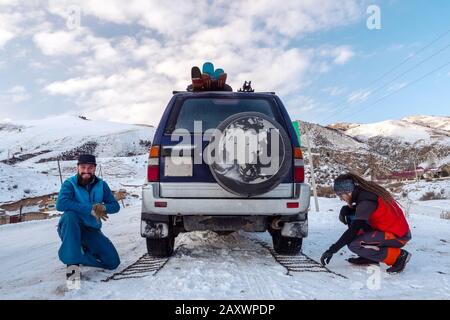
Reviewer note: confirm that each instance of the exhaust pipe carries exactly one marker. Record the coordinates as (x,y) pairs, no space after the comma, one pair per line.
(277,224)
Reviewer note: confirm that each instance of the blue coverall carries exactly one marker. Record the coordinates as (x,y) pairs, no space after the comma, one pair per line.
(82,240)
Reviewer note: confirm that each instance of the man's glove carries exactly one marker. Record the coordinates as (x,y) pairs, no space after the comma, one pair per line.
(345,211)
(326,257)
(99,212)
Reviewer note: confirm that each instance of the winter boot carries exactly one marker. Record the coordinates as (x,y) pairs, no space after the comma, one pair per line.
(207,81)
(197,82)
(208,68)
(222,78)
(400,263)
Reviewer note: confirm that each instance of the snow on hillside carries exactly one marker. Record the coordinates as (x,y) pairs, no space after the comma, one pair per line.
(27,180)
(399,130)
(436,122)
(32,148)
(18,183)
(423,189)
(51,137)
(403,131)
(331,138)
(209,266)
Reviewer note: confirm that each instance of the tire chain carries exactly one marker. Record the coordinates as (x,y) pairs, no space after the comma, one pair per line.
(150,266)
(143,267)
(297,263)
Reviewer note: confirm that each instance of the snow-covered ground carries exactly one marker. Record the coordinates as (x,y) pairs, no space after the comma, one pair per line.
(224,267)
(419,189)
(206,266)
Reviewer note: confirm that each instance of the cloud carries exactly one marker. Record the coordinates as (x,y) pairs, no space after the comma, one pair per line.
(334,91)
(180,18)
(359,96)
(18,19)
(60,43)
(8,2)
(74,86)
(304,108)
(397,86)
(343,54)
(129,76)
(8,27)
(14,95)
(339,55)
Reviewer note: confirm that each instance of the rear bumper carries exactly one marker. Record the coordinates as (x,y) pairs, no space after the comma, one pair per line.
(221,206)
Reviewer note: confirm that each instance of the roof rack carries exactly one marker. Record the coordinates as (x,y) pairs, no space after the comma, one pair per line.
(202,91)
(184,91)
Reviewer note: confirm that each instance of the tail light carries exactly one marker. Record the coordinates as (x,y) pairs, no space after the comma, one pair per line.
(292,205)
(153,164)
(299,166)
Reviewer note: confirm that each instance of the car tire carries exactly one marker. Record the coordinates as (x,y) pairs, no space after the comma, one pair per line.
(161,248)
(249,189)
(286,245)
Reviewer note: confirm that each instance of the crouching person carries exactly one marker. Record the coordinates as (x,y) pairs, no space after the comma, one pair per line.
(86,200)
(377,228)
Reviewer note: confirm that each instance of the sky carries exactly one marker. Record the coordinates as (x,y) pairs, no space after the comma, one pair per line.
(329,61)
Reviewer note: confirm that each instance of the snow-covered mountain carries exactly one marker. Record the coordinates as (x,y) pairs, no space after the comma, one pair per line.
(66,136)
(379,148)
(324,137)
(29,150)
(412,130)
(436,122)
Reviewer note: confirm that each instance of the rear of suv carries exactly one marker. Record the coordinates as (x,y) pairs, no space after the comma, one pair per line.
(225,161)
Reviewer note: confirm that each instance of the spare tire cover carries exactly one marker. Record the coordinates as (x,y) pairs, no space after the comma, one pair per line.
(252,154)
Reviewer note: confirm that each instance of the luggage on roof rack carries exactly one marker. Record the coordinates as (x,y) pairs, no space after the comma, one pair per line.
(191,89)
(209,79)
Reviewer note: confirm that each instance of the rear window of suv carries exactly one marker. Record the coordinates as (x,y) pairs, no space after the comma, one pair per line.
(212,111)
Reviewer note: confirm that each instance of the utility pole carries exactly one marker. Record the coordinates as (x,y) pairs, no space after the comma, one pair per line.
(415,170)
(59,169)
(311,164)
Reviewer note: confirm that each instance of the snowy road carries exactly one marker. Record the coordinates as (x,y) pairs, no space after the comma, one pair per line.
(208,266)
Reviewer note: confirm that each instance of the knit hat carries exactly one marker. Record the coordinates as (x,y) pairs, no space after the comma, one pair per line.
(86,159)
(342,186)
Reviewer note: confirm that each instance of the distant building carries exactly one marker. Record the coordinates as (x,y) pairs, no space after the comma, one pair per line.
(4,218)
(444,170)
(34,216)
(403,175)
(431,173)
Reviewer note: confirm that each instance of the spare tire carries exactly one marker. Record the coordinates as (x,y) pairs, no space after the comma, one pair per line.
(252,154)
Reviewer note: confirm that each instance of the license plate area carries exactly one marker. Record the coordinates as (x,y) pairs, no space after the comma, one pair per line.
(176,166)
